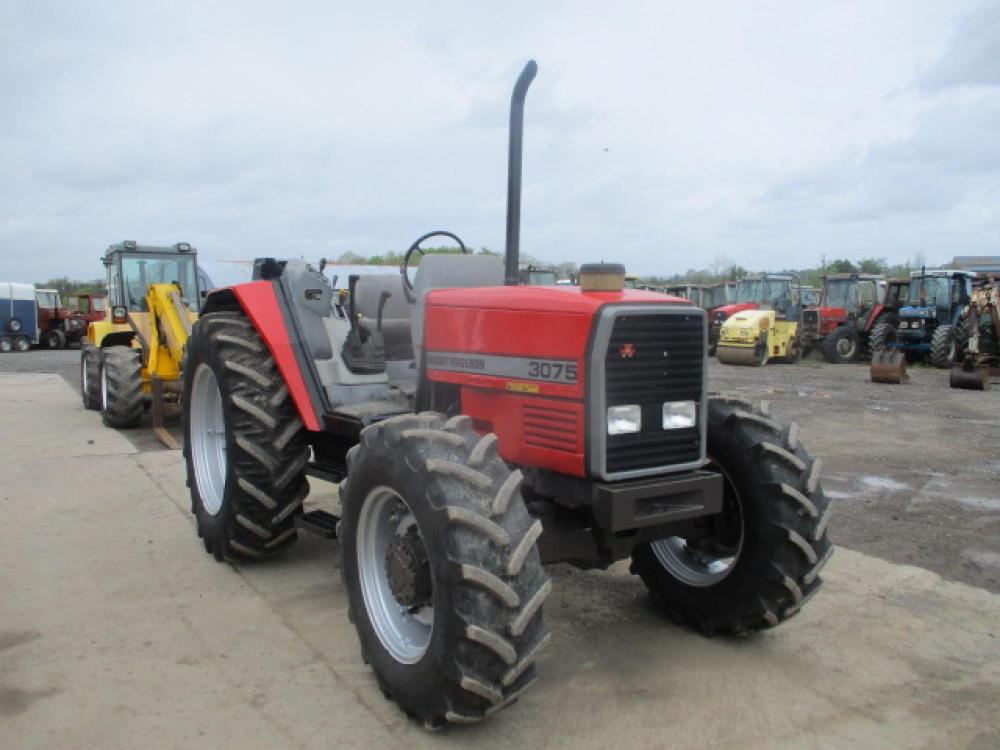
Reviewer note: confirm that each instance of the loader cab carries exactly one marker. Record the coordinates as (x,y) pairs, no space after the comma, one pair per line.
(131,268)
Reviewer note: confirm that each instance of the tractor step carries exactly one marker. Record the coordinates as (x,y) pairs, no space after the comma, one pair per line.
(318,522)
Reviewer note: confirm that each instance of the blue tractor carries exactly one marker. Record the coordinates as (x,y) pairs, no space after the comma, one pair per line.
(929,322)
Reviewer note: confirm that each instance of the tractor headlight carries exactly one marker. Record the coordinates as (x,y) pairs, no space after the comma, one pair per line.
(677,415)
(119,314)
(623,420)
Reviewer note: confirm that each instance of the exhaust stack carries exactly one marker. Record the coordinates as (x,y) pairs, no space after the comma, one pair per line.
(512,253)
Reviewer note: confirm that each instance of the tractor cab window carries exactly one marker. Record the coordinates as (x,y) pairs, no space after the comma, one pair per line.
(48,300)
(867,293)
(778,289)
(714,297)
(139,271)
(960,292)
(750,291)
(841,293)
(931,291)
(96,303)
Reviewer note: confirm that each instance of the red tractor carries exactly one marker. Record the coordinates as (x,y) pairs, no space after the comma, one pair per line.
(480,429)
(850,307)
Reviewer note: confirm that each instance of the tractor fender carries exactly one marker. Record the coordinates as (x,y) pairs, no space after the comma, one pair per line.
(264,305)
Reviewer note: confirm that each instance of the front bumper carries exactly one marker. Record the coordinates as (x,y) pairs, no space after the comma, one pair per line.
(623,506)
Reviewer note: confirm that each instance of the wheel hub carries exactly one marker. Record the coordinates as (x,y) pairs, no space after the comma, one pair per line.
(408,570)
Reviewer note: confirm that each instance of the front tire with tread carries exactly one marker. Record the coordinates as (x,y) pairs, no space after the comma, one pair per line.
(488,582)
(121,370)
(944,346)
(784,533)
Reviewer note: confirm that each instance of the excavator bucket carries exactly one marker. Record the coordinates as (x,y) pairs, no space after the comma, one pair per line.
(733,355)
(970,377)
(889,366)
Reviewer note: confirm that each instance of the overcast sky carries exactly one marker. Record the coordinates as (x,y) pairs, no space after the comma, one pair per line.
(658,134)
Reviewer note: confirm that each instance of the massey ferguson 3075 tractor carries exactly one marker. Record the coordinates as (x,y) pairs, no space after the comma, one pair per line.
(843,321)
(480,429)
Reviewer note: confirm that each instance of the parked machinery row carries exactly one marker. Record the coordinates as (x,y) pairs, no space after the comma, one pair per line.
(30,316)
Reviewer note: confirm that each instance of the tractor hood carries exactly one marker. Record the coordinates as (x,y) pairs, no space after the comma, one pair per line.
(732,308)
(916,311)
(831,313)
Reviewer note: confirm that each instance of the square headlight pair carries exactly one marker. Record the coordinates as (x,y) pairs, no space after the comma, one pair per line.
(676,415)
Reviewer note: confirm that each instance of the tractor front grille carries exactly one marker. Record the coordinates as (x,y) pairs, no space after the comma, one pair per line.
(810,323)
(650,359)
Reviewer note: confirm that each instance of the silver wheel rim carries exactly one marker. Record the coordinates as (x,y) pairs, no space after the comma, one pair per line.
(405,634)
(23,345)
(104,389)
(693,567)
(845,347)
(5,345)
(208,439)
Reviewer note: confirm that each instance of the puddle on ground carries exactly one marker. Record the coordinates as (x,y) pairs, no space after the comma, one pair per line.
(883,483)
(837,495)
(979,503)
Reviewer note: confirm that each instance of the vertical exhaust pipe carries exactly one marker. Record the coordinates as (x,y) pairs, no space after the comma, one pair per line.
(512,253)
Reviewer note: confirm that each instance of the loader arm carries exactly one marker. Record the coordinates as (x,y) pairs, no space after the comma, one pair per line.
(170,327)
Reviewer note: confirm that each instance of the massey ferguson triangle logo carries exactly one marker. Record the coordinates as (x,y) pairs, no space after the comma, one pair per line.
(627,351)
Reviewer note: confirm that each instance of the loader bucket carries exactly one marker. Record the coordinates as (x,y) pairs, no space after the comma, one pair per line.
(889,366)
(970,377)
(733,355)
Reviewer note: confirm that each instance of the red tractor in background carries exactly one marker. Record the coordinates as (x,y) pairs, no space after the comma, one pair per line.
(851,305)
(59,325)
(478,430)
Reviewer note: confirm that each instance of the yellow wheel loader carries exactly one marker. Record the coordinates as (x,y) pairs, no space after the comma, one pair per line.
(132,359)
(754,337)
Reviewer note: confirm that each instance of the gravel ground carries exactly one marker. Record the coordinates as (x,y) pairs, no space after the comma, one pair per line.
(914,470)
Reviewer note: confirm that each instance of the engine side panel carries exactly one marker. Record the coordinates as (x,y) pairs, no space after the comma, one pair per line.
(522,375)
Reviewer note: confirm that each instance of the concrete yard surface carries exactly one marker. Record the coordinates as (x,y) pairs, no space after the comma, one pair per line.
(118,631)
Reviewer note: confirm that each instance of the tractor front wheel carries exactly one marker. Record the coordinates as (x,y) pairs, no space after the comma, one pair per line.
(55,339)
(244,444)
(842,346)
(758,562)
(90,376)
(120,376)
(444,581)
(944,346)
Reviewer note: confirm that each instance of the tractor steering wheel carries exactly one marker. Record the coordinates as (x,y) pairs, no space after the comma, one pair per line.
(415,248)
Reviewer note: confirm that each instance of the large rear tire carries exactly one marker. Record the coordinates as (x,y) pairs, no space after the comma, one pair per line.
(842,346)
(121,398)
(453,634)
(90,376)
(944,346)
(758,562)
(244,443)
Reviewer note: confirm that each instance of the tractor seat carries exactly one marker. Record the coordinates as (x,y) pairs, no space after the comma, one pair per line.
(368,293)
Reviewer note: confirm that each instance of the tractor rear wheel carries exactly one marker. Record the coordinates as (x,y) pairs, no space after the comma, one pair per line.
(758,562)
(244,443)
(841,346)
(90,376)
(444,581)
(944,346)
(120,374)
(883,335)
